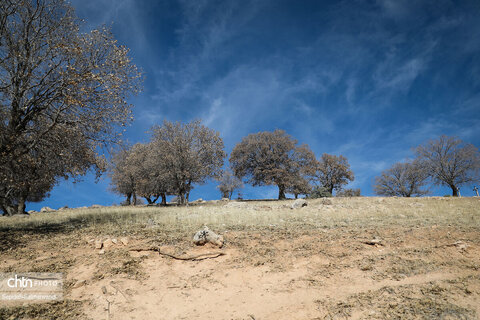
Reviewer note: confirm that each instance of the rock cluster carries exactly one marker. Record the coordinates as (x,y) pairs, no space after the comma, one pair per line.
(108,243)
(205,236)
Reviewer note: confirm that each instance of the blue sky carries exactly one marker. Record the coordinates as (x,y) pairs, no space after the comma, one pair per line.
(365,79)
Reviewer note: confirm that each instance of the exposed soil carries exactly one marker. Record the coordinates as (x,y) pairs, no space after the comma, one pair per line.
(425,272)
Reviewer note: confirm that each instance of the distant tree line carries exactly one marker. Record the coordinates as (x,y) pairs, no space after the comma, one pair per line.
(182,155)
(63,101)
(177,157)
(445,161)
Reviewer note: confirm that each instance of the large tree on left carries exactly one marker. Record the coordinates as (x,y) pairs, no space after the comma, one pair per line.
(62,97)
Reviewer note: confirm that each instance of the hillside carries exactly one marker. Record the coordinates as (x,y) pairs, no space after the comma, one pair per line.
(337,258)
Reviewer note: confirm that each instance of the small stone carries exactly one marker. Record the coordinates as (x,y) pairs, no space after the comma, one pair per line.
(98,244)
(114,240)
(225,199)
(107,243)
(79,283)
(124,240)
(101,251)
(46,209)
(96,206)
(299,203)
(327,202)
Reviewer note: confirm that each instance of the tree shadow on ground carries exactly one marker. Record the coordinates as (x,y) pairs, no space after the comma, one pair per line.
(18,236)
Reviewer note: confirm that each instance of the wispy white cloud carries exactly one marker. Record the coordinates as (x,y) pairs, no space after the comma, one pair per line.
(354,78)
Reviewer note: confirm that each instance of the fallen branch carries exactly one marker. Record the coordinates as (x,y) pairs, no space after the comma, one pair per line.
(195,257)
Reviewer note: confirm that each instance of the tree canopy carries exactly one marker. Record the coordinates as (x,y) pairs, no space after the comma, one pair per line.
(403,179)
(62,96)
(228,183)
(188,154)
(139,171)
(450,161)
(272,158)
(333,172)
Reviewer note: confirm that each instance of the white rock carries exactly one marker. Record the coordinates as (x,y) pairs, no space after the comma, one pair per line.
(124,240)
(299,203)
(207,236)
(98,244)
(107,243)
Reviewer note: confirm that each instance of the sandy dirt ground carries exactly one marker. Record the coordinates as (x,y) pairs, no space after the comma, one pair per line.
(391,270)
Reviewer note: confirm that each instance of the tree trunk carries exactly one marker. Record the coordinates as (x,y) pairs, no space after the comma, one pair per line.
(10,210)
(281,193)
(21,206)
(182,198)
(164,199)
(127,201)
(330,189)
(149,201)
(296,195)
(134,198)
(454,190)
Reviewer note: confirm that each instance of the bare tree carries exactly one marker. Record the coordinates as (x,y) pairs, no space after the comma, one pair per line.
(402,180)
(151,177)
(228,183)
(271,158)
(450,162)
(122,177)
(333,172)
(191,154)
(60,91)
(139,171)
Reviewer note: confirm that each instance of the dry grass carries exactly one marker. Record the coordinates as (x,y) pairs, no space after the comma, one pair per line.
(342,212)
(314,256)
